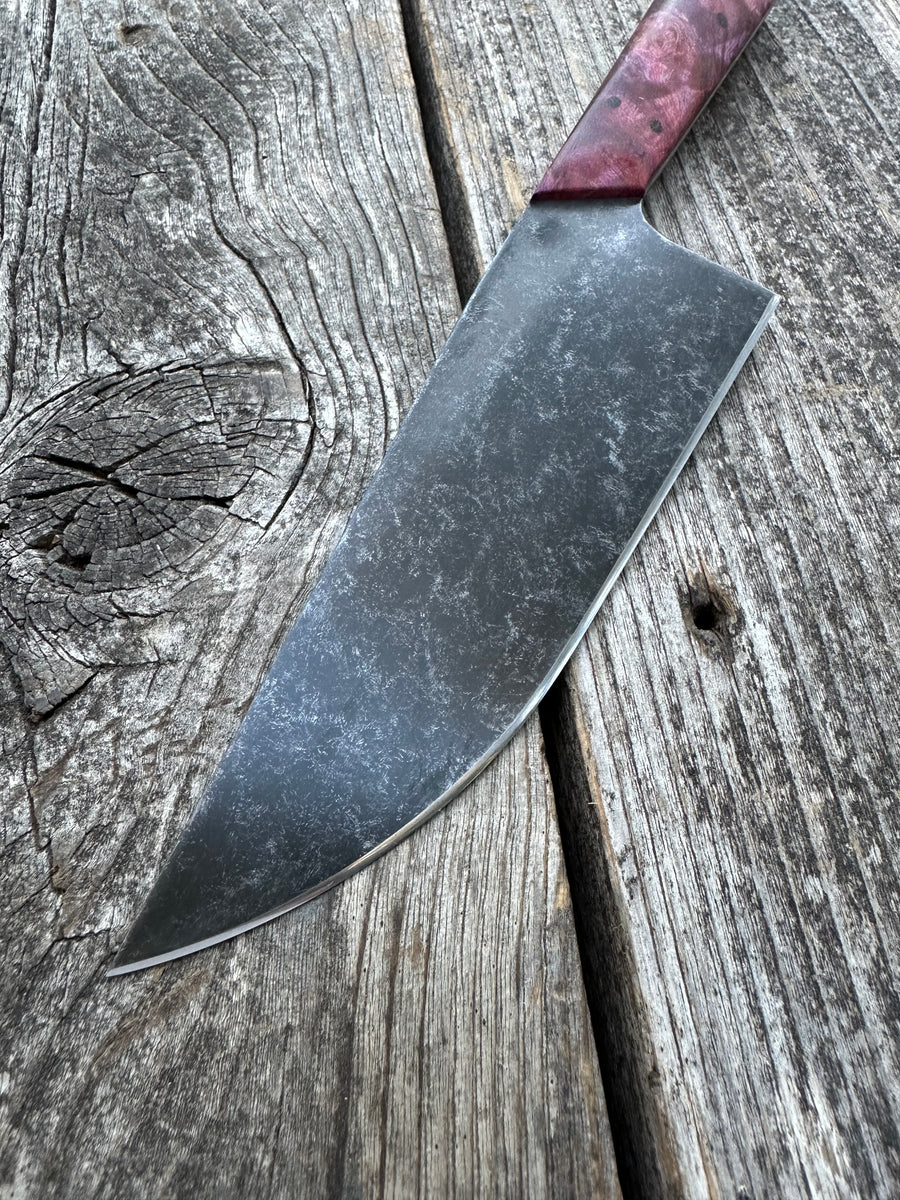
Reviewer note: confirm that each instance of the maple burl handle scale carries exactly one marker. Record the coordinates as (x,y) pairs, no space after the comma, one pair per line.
(677,57)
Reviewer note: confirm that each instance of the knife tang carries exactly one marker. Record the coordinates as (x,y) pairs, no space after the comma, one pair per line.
(677,57)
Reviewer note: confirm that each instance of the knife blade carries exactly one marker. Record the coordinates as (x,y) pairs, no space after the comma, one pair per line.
(570,393)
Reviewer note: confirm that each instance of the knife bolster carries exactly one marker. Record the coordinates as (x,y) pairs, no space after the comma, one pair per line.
(675,60)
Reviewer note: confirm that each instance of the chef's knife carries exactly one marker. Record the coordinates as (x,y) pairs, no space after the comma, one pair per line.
(570,393)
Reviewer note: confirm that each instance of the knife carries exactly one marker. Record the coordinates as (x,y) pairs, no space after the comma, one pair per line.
(570,393)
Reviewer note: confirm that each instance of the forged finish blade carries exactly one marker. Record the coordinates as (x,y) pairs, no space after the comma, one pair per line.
(569,395)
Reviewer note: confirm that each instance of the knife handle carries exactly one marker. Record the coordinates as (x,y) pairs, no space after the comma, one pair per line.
(675,60)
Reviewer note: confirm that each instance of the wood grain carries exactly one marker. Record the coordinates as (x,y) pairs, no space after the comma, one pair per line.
(725,742)
(224,275)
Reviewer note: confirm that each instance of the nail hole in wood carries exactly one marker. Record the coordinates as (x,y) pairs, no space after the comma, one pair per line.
(705,616)
(710,613)
(75,562)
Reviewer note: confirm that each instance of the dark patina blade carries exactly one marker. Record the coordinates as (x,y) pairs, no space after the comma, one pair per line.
(566,400)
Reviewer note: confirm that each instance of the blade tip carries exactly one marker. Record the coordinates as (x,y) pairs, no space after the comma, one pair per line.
(126,968)
(129,966)
(114,972)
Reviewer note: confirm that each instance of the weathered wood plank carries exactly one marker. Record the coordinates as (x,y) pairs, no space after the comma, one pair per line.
(726,739)
(224,275)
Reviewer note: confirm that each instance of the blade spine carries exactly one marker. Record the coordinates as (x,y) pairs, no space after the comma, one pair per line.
(506,736)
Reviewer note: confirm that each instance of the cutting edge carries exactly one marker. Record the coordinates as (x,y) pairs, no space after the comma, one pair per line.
(494,749)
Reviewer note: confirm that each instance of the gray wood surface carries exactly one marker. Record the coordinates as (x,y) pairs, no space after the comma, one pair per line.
(724,745)
(224,274)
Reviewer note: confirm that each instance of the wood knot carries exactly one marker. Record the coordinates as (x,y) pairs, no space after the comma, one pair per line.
(127,489)
(710,613)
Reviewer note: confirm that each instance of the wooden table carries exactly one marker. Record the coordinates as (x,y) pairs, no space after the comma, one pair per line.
(234,237)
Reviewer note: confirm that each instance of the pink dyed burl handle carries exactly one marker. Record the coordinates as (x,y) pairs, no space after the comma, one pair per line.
(677,57)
